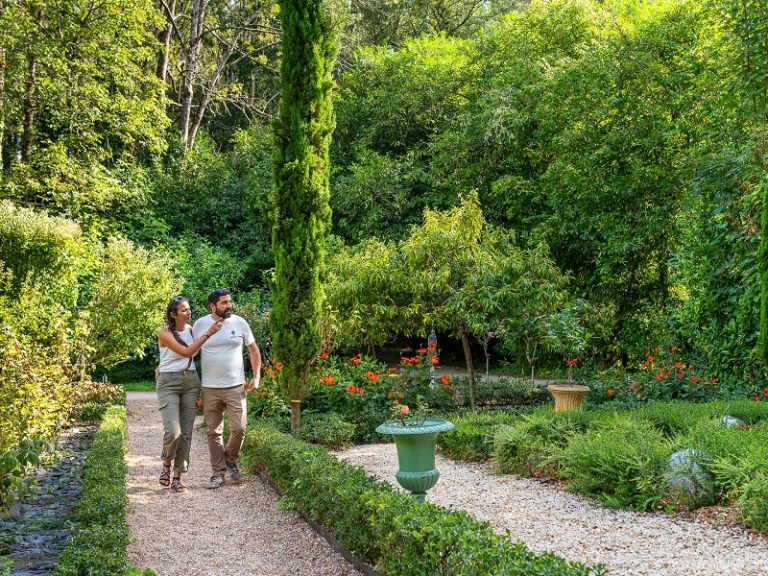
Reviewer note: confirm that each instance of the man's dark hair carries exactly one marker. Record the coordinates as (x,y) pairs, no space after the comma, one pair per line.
(214,296)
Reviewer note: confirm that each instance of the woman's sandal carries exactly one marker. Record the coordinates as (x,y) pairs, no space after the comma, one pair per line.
(165,475)
(177,486)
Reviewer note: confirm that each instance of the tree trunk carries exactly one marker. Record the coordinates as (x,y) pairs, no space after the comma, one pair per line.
(29,110)
(470,370)
(295,416)
(193,59)
(165,42)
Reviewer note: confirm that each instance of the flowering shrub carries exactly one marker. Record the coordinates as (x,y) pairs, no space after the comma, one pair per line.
(664,375)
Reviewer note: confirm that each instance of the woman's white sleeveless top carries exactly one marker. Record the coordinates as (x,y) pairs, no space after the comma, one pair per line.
(172,362)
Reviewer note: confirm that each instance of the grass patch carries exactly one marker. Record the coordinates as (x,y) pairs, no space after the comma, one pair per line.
(140,386)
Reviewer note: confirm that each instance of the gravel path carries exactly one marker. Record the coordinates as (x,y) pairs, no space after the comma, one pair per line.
(546,518)
(232,531)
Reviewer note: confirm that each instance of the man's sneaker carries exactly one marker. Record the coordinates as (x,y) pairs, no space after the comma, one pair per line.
(216,481)
(234,473)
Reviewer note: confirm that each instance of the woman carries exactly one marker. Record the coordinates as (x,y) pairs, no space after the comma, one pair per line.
(178,387)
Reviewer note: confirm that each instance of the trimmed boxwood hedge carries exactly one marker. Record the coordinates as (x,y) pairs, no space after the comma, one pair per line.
(389,530)
(98,547)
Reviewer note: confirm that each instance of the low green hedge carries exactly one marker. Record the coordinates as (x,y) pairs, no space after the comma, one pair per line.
(98,547)
(389,530)
(472,439)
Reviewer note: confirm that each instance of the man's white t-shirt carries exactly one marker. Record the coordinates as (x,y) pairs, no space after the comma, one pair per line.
(221,357)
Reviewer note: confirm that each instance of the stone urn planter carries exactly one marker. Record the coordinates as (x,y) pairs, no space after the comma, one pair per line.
(567,396)
(416,445)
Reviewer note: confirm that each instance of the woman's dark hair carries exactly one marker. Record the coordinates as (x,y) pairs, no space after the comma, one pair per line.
(170,321)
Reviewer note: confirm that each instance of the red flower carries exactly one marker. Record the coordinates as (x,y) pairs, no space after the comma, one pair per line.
(372,377)
(444,380)
(351,388)
(680,376)
(679,365)
(573,362)
(404,410)
(435,360)
(757,397)
(356,360)
(415,360)
(421,351)
(765,391)
(400,395)
(609,392)
(659,376)
(675,348)
(328,380)
(324,355)
(668,374)
(658,349)
(359,390)
(714,380)
(634,386)
(695,379)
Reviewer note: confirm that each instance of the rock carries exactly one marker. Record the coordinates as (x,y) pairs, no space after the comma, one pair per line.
(684,476)
(732,422)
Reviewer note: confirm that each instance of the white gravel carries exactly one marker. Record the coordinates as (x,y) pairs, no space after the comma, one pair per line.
(547,518)
(232,531)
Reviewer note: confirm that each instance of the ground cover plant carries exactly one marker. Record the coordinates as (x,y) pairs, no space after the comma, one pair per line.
(626,455)
(390,531)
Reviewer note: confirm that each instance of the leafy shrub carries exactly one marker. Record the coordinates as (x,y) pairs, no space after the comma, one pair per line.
(98,547)
(390,531)
(330,430)
(472,438)
(502,392)
(621,462)
(14,466)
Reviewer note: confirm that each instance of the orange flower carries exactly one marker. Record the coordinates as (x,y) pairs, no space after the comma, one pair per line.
(329,380)
(573,362)
(392,370)
(659,376)
(421,351)
(695,379)
(356,360)
(444,379)
(359,390)
(610,392)
(757,397)
(351,388)
(400,395)
(435,360)
(404,410)
(450,388)
(324,355)
(279,365)
(678,365)
(372,377)
(675,348)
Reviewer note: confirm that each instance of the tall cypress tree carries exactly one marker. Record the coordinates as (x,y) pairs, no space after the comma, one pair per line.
(301,212)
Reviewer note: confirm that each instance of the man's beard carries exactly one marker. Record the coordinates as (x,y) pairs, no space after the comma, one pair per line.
(224,314)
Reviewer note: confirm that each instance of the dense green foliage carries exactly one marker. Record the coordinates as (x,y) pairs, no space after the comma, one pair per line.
(98,546)
(391,532)
(301,215)
(76,303)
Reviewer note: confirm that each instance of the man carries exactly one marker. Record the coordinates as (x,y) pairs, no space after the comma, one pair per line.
(224,385)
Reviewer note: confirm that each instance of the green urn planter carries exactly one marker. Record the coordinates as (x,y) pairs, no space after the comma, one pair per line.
(416,453)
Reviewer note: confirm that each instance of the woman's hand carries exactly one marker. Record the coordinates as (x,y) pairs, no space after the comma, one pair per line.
(215,327)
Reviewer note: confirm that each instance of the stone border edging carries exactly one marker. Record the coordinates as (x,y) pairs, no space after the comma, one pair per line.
(324,532)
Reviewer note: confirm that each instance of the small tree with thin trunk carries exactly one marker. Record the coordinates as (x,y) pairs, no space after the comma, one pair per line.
(301,213)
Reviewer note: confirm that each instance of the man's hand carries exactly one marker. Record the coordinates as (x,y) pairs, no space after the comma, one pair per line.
(252,385)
